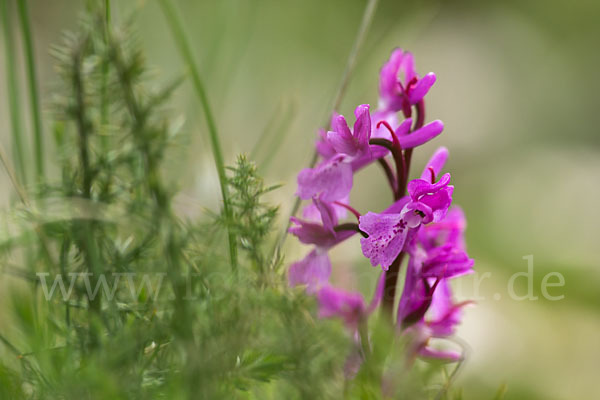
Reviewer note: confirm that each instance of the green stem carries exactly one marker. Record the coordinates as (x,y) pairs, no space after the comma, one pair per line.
(104,87)
(34,98)
(177,30)
(12,175)
(172,247)
(365,24)
(20,357)
(13,92)
(107,12)
(64,252)
(9,345)
(88,244)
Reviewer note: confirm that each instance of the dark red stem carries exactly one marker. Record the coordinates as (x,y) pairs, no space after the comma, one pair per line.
(432,173)
(389,174)
(349,226)
(389,289)
(420,120)
(349,208)
(399,159)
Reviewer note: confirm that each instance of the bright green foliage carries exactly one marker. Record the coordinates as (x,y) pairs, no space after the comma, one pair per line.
(251,220)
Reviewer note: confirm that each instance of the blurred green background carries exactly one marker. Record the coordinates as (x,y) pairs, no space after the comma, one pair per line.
(517,86)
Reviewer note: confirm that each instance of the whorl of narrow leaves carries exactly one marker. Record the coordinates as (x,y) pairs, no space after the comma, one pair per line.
(252,219)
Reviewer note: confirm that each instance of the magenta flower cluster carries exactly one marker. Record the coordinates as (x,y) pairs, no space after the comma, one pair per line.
(420,226)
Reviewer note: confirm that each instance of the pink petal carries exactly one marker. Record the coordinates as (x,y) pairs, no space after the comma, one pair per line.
(341,126)
(332,180)
(388,76)
(342,143)
(403,129)
(312,233)
(415,213)
(437,162)
(335,302)
(313,271)
(317,234)
(328,213)
(324,148)
(311,213)
(414,293)
(382,132)
(408,66)
(387,235)
(420,187)
(421,88)
(442,355)
(447,262)
(421,136)
(362,126)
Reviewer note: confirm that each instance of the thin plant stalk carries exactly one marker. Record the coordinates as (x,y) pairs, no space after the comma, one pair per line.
(13,92)
(184,48)
(12,175)
(365,25)
(22,194)
(34,98)
(104,87)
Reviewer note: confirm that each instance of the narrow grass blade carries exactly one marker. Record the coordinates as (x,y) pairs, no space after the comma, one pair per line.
(104,87)
(184,48)
(13,92)
(34,97)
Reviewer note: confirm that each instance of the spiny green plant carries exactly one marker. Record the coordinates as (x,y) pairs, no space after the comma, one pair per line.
(251,220)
